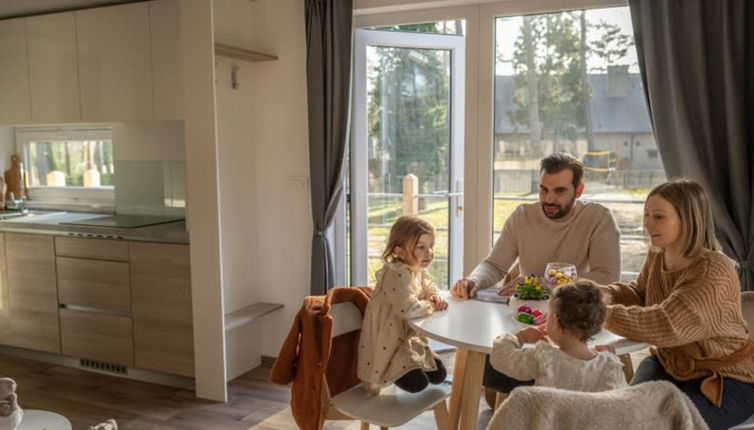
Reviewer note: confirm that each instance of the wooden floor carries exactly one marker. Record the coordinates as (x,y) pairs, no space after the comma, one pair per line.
(87,398)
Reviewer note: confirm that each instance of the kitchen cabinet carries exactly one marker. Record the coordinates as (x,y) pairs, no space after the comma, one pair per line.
(14,72)
(100,285)
(161,307)
(53,68)
(32,296)
(97,336)
(167,64)
(115,70)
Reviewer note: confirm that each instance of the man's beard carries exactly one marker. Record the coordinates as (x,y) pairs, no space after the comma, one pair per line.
(562,211)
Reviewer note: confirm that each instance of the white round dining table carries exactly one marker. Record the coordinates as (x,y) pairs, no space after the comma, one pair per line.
(43,420)
(472,326)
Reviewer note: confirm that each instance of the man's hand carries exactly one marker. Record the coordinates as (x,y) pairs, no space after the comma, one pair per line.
(530,335)
(510,287)
(438,302)
(608,348)
(464,289)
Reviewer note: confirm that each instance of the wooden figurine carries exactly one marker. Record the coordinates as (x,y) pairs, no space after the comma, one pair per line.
(14,179)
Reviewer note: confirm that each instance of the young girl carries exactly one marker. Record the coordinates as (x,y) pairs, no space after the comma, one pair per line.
(389,350)
(576,314)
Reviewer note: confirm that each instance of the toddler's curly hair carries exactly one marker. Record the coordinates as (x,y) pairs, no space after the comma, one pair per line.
(579,308)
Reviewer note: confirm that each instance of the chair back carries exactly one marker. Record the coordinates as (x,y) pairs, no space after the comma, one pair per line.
(747,308)
(346,318)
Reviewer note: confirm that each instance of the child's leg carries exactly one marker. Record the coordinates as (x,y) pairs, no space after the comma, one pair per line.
(437,376)
(413,381)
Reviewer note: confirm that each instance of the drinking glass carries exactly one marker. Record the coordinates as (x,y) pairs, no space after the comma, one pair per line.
(558,274)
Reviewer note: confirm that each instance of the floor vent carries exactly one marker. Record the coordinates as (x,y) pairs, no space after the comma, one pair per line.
(104,367)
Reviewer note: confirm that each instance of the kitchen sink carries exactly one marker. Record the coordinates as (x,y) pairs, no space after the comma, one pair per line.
(26,213)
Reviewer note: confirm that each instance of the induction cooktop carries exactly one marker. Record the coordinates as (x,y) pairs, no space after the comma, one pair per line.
(125,221)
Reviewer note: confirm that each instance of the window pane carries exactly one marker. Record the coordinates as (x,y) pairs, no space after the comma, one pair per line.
(82,163)
(569,81)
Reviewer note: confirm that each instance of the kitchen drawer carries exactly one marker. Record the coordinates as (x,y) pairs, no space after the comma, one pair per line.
(96,336)
(97,284)
(98,249)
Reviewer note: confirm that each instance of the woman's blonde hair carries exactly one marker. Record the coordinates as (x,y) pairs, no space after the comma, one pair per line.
(691,203)
(405,232)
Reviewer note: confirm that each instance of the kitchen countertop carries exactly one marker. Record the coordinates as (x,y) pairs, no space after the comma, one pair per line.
(50,223)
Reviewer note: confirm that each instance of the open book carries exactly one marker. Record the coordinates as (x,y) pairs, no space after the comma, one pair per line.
(490,295)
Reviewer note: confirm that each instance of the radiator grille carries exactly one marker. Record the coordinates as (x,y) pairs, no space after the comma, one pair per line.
(103,366)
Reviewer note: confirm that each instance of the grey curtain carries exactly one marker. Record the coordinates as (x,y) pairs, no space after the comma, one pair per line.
(328,74)
(697,65)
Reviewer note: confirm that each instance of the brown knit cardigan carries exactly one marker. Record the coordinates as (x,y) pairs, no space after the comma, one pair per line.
(692,317)
(309,352)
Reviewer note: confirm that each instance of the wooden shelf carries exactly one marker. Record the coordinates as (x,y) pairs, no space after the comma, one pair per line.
(242,54)
(249,313)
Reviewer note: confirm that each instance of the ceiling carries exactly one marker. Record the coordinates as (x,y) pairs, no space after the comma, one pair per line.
(15,8)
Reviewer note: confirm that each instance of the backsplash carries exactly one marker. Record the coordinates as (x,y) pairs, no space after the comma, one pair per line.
(150,187)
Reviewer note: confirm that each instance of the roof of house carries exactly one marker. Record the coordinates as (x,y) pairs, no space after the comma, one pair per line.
(612,114)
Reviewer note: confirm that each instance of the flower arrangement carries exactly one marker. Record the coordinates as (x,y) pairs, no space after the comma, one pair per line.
(532,289)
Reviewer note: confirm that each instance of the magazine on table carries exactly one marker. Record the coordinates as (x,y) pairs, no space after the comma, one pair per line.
(489,294)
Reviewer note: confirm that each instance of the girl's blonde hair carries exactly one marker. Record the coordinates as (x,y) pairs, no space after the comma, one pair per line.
(405,232)
(691,203)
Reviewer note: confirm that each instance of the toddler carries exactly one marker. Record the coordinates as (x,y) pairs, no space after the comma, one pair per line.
(566,361)
(389,350)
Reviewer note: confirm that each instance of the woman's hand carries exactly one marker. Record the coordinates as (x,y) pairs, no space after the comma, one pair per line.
(438,302)
(464,289)
(531,335)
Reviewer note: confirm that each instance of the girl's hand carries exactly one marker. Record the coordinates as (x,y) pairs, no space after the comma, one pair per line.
(438,302)
(608,348)
(530,335)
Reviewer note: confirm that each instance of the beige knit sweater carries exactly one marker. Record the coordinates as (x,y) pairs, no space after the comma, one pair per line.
(587,238)
(691,314)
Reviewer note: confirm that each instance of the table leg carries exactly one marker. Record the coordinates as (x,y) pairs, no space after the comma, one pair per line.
(456,393)
(472,390)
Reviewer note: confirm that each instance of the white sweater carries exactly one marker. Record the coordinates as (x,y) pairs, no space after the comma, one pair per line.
(551,367)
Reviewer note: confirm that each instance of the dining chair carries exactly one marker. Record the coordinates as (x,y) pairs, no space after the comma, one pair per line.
(747,308)
(392,407)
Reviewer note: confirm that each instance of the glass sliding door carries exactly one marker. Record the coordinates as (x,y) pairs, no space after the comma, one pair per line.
(406,152)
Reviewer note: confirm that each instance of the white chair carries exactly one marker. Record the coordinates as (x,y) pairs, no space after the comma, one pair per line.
(392,407)
(747,307)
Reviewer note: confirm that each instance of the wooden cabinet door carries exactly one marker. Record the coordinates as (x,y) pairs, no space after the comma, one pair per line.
(101,285)
(32,293)
(115,70)
(97,336)
(161,307)
(53,68)
(15,107)
(166,59)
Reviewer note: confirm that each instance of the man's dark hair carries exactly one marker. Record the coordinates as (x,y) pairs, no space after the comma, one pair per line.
(559,161)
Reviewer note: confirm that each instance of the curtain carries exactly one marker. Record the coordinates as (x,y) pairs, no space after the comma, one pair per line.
(697,64)
(328,74)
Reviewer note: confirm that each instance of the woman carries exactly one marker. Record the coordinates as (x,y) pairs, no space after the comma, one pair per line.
(687,304)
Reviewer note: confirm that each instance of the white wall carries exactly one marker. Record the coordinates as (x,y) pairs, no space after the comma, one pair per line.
(149,140)
(203,202)
(280,136)
(7,147)
(238,182)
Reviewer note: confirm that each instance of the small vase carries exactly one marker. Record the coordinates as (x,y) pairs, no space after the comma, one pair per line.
(542,305)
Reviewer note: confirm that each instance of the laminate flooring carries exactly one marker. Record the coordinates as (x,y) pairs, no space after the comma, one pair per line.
(87,398)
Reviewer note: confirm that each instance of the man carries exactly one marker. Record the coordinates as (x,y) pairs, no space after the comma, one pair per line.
(557,228)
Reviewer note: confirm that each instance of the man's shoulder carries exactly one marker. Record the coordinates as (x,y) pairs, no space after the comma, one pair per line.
(594,210)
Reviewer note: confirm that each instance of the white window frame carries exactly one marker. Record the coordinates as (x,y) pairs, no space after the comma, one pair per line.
(479,110)
(73,197)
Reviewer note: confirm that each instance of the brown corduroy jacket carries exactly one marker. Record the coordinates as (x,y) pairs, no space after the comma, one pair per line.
(309,352)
